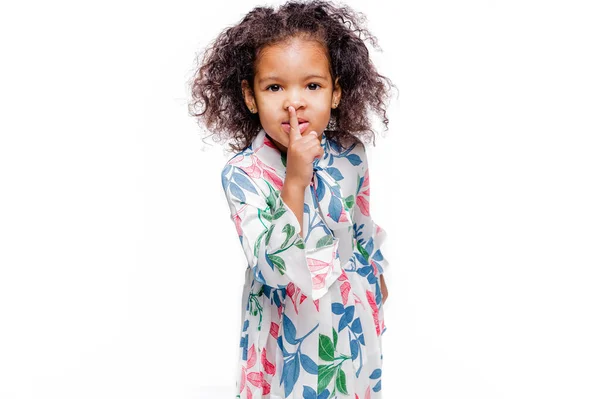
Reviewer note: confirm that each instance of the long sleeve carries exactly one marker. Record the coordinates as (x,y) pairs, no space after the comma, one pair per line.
(269,233)
(369,235)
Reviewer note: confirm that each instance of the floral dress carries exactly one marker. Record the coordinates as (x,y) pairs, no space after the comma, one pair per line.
(312,312)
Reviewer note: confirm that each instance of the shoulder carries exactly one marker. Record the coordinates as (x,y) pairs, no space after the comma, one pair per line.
(356,154)
(232,166)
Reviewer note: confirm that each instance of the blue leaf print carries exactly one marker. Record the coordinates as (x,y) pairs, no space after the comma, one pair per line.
(369,246)
(377,255)
(320,188)
(354,159)
(306,209)
(335,208)
(289,330)
(371,278)
(364,271)
(361,338)
(356,326)
(290,374)
(324,394)
(244,346)
(244,182)
(237,192)
(346,318)
(337,308)
(377,387)
(281,346)
(335,173)
(375,374)
(309,393)
(336,191)
(246,324)
(334,145)
(224,179)
(309,365)
(354,348)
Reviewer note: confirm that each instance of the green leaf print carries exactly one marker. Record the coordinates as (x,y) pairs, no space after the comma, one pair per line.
(349,201)
(362,251)
(326,373)
(271,198)
(289,230)
(269,234)
(325,348)
(278,262)
(335,338)
(266,215)
(258,240)
(340,381)
(325,241)
(279,213)
(299,243)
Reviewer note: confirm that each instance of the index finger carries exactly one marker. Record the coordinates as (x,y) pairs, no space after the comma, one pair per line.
(294,130)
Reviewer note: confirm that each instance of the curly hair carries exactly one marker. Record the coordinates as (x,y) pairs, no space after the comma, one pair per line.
(232,57)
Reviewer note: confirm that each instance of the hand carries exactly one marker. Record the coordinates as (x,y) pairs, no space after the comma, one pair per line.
(384,291)
(301,153)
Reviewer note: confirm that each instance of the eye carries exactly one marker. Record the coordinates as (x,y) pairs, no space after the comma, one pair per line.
(314,84)
(269,88)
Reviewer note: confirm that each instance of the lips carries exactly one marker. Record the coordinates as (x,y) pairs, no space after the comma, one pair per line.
(302,125)
(300,120)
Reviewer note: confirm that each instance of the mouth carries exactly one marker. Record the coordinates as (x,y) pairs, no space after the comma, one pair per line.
(300,120)
(302,125)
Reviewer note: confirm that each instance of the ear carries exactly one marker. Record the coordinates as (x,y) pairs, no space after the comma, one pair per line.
(337,94)
(248,94)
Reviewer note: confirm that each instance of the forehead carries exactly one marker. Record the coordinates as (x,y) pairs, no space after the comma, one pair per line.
(292,58)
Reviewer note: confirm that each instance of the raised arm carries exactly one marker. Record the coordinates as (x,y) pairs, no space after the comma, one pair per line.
(269,233)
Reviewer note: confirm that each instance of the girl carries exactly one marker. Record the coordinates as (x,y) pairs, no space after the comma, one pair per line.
(291,88)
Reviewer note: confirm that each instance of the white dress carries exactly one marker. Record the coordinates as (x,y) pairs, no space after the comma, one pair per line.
(312,314)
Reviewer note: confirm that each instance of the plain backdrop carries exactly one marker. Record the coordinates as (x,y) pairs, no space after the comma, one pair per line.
(121,271)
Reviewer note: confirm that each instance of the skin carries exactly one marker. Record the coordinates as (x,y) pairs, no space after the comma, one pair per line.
(284,91)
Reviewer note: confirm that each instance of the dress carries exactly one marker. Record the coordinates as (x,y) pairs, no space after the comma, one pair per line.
(312,311)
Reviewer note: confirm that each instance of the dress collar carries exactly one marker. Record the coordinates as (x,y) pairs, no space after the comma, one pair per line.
(264,148)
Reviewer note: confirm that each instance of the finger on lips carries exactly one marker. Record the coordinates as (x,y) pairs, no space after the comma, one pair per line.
(294,131)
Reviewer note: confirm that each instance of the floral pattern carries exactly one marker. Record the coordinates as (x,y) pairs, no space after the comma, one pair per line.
(312,312)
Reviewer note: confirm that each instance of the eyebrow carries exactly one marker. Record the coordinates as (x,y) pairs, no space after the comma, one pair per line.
(274,77)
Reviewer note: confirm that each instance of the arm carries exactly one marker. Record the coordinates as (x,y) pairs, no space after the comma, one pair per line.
(370,236)
(269,232)
(294,196)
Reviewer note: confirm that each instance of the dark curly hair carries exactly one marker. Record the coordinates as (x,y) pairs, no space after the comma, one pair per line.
(231,58)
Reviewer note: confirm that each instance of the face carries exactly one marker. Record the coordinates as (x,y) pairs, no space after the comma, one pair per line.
(294,73)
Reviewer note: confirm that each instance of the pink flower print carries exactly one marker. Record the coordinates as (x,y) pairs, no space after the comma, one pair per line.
(251,357)
(293,293)
(236,159)
(362,198)
(319,269)
(267,365)
(253,170)
(274,330)
(375,310)
(268,173)
(345,290)
(238,223)
(345,287)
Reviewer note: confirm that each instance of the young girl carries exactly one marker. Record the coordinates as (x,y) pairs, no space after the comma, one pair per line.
(291,87)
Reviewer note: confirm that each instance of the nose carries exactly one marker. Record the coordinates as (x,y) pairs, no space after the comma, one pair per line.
(295,99)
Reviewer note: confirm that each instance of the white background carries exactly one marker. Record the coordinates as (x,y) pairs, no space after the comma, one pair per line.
(121,272)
